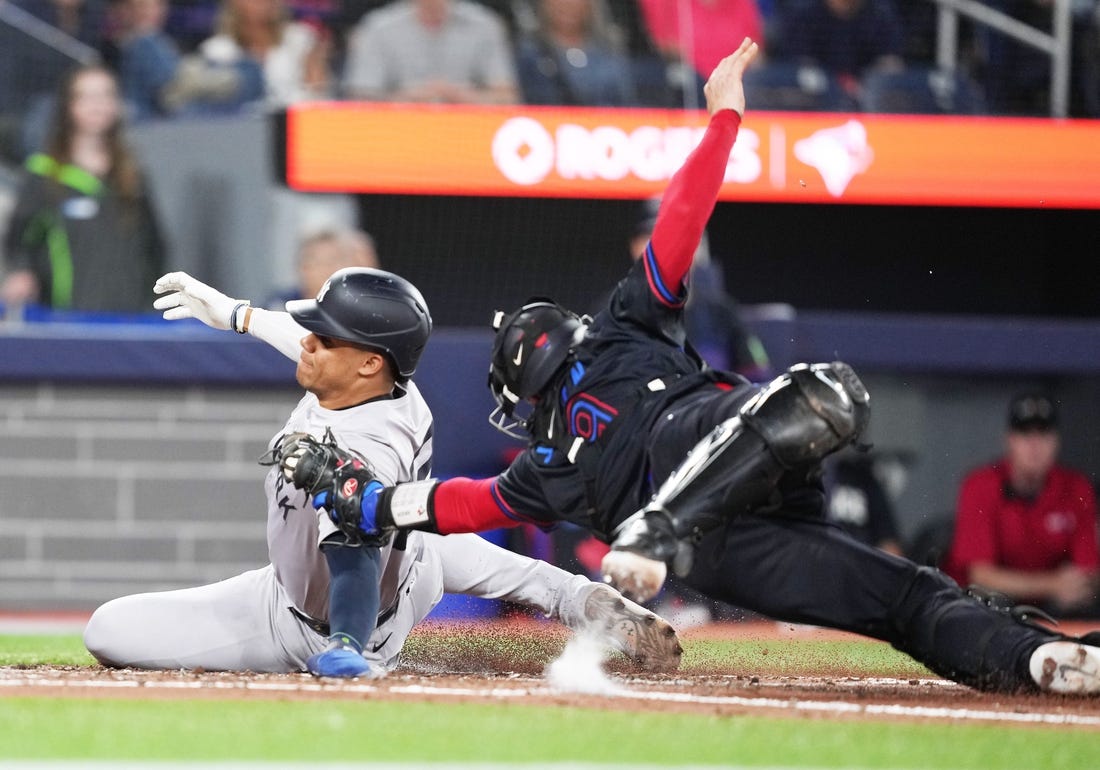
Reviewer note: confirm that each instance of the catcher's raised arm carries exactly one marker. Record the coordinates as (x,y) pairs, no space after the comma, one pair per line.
(187,297)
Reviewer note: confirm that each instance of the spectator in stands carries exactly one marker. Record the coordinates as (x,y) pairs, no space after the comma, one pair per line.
(699,32)
(321,254)
(1025,525)
(294,57)
(846,38)
(157,82)
(84,234)
(148,58)
(452,51)
(857,501)
(574,56)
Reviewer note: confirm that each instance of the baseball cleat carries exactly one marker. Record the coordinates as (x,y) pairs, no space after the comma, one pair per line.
(341,659)
(1066,668)
(649,641)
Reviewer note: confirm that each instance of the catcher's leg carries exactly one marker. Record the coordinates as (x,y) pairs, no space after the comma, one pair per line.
(792,423)
(985,641)
(808,571)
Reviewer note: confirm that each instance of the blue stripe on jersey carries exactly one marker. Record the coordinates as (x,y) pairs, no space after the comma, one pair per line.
(576,372)
(509,512)
(655,283)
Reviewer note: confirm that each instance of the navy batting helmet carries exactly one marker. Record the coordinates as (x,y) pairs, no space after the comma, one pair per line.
(373,308)
(530,346)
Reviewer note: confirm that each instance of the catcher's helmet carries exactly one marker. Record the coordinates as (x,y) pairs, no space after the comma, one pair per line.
(530,346)
(372,308)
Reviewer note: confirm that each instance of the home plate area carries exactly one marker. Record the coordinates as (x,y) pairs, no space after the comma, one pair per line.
(529,663)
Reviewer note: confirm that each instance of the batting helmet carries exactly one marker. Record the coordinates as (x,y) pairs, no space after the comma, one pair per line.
(372,308)
(530,346)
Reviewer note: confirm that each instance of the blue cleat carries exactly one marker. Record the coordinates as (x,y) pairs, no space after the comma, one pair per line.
(342,659)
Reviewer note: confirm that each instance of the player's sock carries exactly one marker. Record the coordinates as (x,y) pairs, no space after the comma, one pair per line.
(353,591)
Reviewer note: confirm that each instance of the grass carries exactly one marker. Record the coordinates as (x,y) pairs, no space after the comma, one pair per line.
(793,657)
(64,728)
(418,732)
(43,650)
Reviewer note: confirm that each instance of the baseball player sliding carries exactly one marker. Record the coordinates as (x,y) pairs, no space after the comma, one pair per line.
(357,345)
(673,463)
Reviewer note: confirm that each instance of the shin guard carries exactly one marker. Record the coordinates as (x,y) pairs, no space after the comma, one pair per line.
(796,420)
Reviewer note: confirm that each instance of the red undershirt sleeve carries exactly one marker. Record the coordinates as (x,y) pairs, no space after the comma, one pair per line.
(470,505)
(688,203)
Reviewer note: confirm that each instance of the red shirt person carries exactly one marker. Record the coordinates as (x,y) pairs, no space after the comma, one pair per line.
(702,37)
(1025,524)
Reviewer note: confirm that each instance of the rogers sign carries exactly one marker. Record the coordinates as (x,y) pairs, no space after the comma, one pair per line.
(526,152)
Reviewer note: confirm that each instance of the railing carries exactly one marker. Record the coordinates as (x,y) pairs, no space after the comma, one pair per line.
(1057,44)
(34,55)
(47,34)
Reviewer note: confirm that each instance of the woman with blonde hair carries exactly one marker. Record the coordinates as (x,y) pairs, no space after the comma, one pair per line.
(294,57)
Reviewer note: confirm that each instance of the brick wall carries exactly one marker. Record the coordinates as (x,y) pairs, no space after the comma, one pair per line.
(106,491)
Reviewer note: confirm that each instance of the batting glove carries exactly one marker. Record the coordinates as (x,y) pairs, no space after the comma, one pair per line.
(342,659)
(187,297)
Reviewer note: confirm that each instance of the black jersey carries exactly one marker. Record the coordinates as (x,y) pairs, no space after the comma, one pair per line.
(588,461)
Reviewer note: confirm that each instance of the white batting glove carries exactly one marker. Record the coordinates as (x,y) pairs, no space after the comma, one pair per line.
(191,298)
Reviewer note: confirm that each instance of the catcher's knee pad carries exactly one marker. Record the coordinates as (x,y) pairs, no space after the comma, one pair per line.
(808,412)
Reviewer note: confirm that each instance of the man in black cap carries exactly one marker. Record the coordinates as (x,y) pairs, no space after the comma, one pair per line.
(1025,524)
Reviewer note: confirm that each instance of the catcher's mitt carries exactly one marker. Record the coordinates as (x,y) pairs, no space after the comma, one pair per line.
(335,478)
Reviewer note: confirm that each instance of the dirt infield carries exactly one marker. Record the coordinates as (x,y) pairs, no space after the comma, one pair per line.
(507,662)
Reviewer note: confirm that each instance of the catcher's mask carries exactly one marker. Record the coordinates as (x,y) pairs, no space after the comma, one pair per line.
(531,345)
(373,308)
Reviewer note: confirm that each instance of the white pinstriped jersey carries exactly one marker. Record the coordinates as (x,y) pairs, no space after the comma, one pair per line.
(395,437)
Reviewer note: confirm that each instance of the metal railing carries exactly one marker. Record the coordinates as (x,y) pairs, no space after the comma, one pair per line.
(1056,44)
(46,34)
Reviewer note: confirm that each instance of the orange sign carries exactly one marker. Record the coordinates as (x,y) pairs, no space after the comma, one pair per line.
(621,153)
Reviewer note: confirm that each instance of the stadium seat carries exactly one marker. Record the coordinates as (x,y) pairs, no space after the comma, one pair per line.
(784,85)
(922,91)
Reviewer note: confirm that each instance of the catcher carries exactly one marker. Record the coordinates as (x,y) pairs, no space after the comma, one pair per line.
(357,346)
(632,437)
